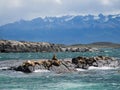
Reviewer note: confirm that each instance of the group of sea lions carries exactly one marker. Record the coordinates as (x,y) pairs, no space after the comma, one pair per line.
(66,66)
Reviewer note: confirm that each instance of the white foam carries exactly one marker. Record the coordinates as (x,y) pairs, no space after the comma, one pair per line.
(79,69)
(16,89)
(106,51)
(96,68)
(3,68)
(101,68)
(70,85)
(41,71)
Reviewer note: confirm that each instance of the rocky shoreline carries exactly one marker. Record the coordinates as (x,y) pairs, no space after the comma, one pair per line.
(7,46)
(23,46)
(59,66)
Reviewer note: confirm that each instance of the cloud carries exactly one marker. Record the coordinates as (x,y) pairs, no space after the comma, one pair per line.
(14,10)
(59,1)
(14,3)
(106,2)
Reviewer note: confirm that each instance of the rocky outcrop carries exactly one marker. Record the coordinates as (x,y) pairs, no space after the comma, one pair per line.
(54,65)
(77,49)
(60,66)
(98,61)
(7,46)
(51,65)
(65,66)
(22,46)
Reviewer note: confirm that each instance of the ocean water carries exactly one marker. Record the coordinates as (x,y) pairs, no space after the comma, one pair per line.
(104,78)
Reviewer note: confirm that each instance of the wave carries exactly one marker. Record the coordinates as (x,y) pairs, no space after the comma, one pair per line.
(79,69)
(71,85)
(101,68)
(41,71)
(96,68)
(1,68)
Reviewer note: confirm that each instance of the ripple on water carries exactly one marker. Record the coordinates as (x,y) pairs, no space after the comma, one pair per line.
(104,78)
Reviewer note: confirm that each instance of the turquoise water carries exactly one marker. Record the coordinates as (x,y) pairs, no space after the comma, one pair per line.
(60,55)
(93,79)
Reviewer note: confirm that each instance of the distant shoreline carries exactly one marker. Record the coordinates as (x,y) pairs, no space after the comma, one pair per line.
(7,46)
(98,45)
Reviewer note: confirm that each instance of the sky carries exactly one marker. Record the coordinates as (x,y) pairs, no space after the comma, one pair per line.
(15,10)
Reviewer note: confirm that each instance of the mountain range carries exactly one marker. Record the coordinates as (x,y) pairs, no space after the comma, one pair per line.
(67,29)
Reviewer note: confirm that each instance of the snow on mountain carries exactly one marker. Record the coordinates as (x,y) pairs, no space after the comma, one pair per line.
(65,29)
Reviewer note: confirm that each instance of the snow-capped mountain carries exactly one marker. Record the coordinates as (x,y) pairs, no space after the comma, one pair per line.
(65,29)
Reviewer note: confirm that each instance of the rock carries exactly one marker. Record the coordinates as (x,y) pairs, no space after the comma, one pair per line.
(62,66)
(77,60)
(98,61)
(29,69)
(22,46)
(80,62)
(60,69)
(25,69)
(52,65)
(85,49)
(95,64)
(39,67)
(68,65)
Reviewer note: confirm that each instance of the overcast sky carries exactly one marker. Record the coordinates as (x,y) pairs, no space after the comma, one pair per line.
(14,10)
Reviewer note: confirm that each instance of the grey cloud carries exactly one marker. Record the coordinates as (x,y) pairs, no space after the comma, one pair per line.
(13,10)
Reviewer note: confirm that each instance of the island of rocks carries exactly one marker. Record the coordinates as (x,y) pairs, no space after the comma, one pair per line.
(7,46)
(61,66)
(23,46)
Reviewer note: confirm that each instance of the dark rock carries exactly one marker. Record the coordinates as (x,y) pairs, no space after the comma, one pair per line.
(29,69)
(85,49)
(75,60)
(25,69)
(95,64)
(98,61)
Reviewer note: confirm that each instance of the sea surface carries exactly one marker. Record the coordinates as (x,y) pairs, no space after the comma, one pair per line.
(104,78)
